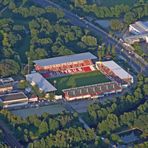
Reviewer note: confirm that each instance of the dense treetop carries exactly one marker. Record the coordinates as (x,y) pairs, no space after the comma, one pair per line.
(29,31)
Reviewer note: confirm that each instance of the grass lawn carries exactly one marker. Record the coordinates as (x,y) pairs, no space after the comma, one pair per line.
(78,80)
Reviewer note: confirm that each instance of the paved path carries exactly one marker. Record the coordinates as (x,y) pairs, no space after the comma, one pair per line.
(3,10)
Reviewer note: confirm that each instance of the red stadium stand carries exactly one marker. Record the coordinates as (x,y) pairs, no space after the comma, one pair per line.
(65,69)
(86,69)
(92,91)
(109,73)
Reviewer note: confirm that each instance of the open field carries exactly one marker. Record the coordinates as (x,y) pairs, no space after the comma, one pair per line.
(51,109)
(78,80)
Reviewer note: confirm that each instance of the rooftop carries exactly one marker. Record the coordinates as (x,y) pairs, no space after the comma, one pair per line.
(96,89)
(65,59)
(41,82)
(140,26)
(7,80)
(13,96)
(118,71)
(5,85)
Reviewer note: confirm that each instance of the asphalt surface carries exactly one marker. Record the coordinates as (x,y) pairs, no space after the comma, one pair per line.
(133,60)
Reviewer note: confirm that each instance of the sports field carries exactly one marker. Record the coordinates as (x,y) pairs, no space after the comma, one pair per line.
(78,80)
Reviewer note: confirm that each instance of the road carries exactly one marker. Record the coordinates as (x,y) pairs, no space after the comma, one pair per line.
(9,139)
(3,10)
(133,60)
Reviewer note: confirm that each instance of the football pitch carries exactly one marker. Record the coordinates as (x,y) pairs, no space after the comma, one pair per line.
(77,80)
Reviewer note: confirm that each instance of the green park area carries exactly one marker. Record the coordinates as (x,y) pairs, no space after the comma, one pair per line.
(78,80)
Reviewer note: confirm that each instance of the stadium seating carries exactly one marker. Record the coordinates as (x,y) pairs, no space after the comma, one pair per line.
(92,91)
(86,69)
(65,69)
(109,73)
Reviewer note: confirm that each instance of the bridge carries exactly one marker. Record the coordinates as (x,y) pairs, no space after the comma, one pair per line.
(136,38)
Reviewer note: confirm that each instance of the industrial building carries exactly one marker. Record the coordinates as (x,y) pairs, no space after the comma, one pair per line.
(14,100)
(139,32)
(7,80)
(5,87)
(138,27)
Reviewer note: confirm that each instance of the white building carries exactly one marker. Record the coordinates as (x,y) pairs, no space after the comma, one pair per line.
(140,29)
(14,99)
(41,82)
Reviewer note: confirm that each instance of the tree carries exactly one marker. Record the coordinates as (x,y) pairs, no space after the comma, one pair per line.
(129,17)
(116,25)
(145,89)
(43,128)
(79,3)
(53,125)
(1,105)
(89,40)
(113,51)
(9,67)
(101,51)
(115,138)
(22,84)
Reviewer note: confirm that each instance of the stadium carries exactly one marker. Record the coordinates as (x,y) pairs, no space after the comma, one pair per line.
(79,76)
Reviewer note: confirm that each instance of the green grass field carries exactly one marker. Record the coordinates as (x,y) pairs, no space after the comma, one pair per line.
(78,80)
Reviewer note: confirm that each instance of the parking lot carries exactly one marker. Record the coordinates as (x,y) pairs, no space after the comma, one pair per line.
(51,109)
(81,105)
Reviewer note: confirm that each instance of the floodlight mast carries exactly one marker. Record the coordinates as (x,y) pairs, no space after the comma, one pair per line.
(28,65)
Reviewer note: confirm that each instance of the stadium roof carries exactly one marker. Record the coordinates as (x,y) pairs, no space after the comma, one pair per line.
(13,96)
(65,59)
(96,89)
(120,72)
(41,82)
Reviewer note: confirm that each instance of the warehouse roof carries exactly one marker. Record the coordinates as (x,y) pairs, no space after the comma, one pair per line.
(65,59)
(7,80)
(120,72)
(5,85)
(13,96)
(140,26)
(41,82)
(143,25)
